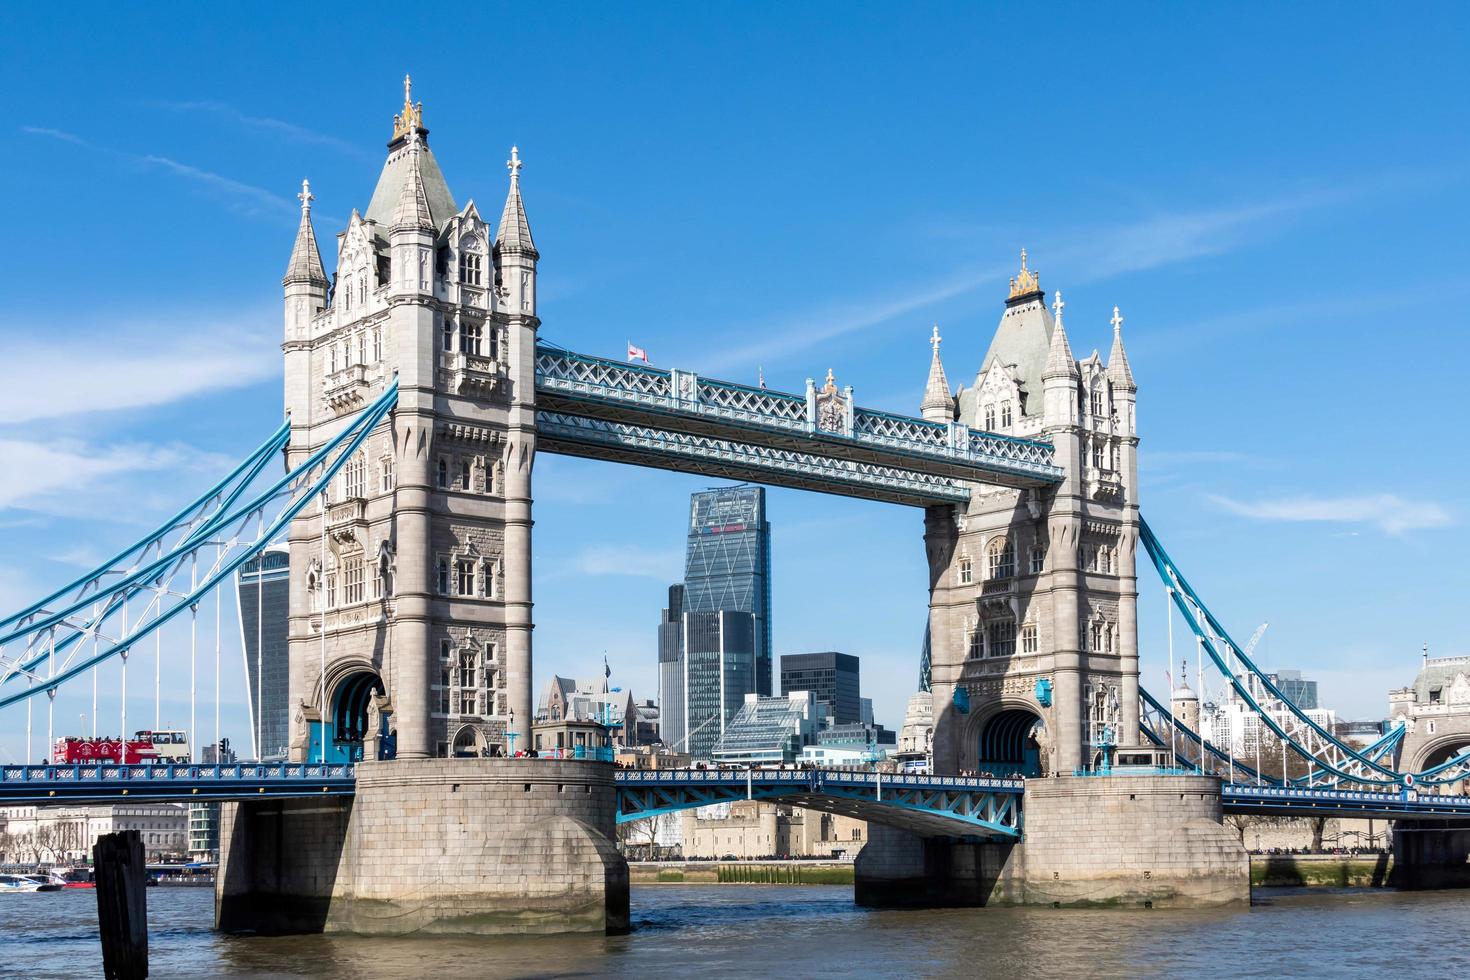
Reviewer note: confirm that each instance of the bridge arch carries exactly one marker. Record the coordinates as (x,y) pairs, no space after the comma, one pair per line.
(1438,748)
(1007,738)
(351,692)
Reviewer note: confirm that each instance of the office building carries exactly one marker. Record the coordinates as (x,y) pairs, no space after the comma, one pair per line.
(671,672)
(263,585)
(769,731)
(831,677)
(1296,689)
(728,563)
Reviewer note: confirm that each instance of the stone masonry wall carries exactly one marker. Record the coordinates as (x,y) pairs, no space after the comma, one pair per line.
(484,846)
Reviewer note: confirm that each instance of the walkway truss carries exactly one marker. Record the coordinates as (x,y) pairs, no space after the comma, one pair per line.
(943,806)
(607,409)
(1330,760)
(109,613)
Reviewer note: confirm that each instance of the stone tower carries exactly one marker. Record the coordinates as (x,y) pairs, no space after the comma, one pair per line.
(413,581)
(1033,594)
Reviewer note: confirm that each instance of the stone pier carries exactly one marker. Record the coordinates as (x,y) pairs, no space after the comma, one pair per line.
(479,846)
(1431,854)
(1123,841)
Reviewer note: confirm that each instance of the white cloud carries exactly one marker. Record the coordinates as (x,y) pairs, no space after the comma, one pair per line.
(1091,254)
(279,127)
(1389,512)
(631,560)
(241,197)
(72,478)
(120,367)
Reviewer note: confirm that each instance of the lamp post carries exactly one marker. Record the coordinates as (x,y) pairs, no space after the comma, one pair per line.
(511,734)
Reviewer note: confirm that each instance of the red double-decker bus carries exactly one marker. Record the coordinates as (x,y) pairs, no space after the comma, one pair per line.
(146,746)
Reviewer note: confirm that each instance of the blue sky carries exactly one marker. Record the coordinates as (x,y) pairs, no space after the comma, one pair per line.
(1275,196)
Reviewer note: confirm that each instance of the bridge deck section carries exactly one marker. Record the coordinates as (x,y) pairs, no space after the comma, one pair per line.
(1294,802)
(53,784)
(608,409)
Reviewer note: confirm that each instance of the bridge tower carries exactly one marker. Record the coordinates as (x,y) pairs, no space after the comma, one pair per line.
(410,596)
(414,599)
(1033,597)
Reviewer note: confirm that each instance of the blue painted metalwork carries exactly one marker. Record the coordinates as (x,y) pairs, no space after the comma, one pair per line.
(952,805)
(1298,801)
(178,783)
(961,699)
(1043,691)
(672,410)
(299,488)
(1326,751)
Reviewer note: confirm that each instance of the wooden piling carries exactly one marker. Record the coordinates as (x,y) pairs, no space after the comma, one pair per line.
(122,905)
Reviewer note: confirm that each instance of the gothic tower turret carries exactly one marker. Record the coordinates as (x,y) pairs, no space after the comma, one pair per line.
(305,285)
(938,403)
(515,269)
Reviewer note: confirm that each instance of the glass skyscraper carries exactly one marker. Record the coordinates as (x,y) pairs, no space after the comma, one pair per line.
(728,564)
(264,588)
(831,677)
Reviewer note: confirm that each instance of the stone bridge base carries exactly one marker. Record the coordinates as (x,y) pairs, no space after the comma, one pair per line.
(1431,854)
(1120,841)
(481,846)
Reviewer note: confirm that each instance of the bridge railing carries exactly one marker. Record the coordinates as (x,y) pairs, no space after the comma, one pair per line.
(159,772)
(676,392)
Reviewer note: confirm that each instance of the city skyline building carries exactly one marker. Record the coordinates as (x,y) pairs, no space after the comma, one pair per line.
(672,729)
(727,563)
(719,666)
(834,680)
(263,586)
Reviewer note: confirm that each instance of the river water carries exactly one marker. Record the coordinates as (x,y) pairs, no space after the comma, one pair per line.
(690,931)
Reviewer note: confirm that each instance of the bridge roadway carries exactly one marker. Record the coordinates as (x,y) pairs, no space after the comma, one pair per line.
(608,409)
(946,806)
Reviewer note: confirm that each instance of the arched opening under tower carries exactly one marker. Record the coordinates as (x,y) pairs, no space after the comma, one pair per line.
(1010,744)
(351,704)
(1442,753)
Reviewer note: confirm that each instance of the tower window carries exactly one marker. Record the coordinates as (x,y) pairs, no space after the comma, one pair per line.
(443,696)
(469,267)
(966,570)
(443,473)
(1028,638)
(1002,638)
(386,477)
(362,348)
(1038,559)
(469,338)
(448,335)
(443,577)
(1097,455)
(1097,403)
(1002,558)
(464,474)
(1005,414)
(989,416)
(354,476)
(352,580)
(377,344)
(464,577)
(975,642)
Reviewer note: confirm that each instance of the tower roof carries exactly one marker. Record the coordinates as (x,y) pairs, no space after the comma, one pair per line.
(514,234)
(937,397)
(1025,283)
(1119,372)
(412,210)
(1059,360)
(386,195)
(1021,341)
(306,258)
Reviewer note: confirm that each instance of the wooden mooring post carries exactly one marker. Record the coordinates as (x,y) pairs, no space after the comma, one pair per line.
(122,904)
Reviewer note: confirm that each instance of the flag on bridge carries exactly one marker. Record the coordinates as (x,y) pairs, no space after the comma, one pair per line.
(637,353)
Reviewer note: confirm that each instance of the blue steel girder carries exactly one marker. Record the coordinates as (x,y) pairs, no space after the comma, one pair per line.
(576,435)
(94,783)
(1296,801)
(934,806)
(680,401)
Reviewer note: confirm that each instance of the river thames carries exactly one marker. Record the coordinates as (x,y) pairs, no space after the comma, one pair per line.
(798,931)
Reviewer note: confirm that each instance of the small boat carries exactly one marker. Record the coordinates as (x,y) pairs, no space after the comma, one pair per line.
(18,883)
(46,882)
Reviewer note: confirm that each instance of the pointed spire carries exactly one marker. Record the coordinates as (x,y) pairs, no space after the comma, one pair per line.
(411,119)
(1059,360)
(514,234)
(306,258)
(1119,372)
(1026,283)
(938,403)
(412,211)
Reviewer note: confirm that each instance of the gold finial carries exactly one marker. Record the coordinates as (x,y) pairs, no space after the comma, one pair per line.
(1026,282)
(831,382)
(412,117)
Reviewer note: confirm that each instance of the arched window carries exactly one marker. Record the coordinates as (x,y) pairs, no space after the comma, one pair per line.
(989,416)
(362,289)
(1038,559)
(1002,558)
(464,474)
(448,334)
(354,476)
(311,587)
(443,473)
(443,576)
(1029,643)
(362,348)
(332,359)
(1001,638)
(469,261)
(1005,415)
(966,570)
(377,344)
(974,641)
(1097,403)
(386,475)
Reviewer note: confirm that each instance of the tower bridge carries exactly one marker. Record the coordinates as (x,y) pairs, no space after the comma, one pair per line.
(419,390)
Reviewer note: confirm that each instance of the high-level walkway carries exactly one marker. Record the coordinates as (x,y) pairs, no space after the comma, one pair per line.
(613,410)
